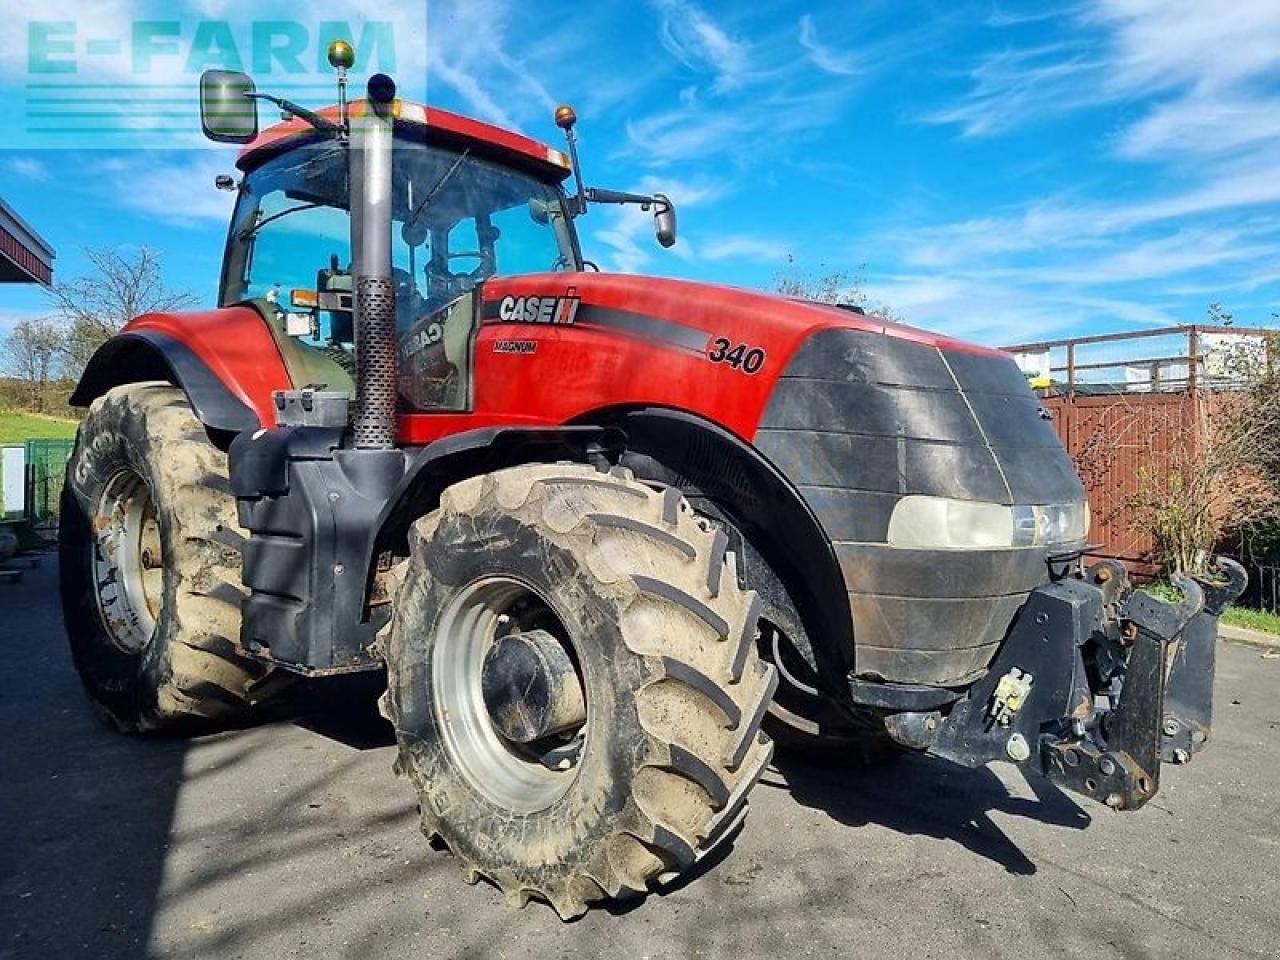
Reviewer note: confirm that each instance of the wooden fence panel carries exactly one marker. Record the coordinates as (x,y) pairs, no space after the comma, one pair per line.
(1111,437)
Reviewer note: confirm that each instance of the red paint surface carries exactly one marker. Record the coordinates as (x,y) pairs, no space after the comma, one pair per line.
(236,346)
(446,120)
(577,369)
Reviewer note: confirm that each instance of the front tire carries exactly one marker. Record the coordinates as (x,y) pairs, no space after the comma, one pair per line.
(645,600)
(149,565)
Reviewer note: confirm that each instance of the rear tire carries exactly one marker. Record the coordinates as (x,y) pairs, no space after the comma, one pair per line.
(642,593)
(149,560)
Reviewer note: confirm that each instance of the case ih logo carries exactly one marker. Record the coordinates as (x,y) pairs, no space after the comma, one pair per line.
(555,310)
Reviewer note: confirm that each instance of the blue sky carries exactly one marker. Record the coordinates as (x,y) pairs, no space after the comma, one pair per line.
(1001,171)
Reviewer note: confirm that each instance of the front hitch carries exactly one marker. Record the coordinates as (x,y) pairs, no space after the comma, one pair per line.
(1116,759)
(1188,698)
(1097,683)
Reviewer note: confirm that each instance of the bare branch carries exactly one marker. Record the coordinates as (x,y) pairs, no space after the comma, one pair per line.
(119,287)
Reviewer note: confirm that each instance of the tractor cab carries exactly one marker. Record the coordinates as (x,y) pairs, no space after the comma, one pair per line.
(468,202)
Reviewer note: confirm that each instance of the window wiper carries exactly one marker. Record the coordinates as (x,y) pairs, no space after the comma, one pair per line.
(248,232)
(439,184)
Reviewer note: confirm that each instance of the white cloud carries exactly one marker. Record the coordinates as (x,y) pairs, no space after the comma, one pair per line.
(1167,256)
(744,247)
(1203,124)
(1005,18)
(179,186)
(1000,312)
(1012,87)
(742,130)
(29,168)
(468,50)
(691,36)
(1199,84)
(1066,223)
(1203,62)
(823,57)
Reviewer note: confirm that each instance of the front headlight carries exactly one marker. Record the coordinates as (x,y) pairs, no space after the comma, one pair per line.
(942,523)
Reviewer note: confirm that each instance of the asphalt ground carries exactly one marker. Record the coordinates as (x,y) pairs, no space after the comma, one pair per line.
(294,839)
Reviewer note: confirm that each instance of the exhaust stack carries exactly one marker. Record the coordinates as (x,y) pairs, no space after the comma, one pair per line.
(375,294)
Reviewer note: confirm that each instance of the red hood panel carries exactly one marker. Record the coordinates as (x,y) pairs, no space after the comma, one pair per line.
(555,347)
(715,308)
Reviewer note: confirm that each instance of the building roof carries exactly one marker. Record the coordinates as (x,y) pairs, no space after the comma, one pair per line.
(24,255)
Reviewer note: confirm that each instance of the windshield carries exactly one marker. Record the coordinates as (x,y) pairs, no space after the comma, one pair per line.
(458,219)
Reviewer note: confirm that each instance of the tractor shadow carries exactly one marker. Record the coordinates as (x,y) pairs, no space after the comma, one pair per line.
(344,709)
(85,812)
(925,796)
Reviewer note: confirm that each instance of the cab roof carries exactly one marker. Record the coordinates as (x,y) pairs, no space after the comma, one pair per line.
(440,125)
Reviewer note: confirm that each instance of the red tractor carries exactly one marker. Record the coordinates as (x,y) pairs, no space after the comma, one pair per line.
(600,531)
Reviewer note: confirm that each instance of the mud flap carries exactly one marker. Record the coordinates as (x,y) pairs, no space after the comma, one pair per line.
(1187,723)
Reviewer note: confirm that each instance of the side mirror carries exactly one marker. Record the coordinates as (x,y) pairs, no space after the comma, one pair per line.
(228,112)
(664,219)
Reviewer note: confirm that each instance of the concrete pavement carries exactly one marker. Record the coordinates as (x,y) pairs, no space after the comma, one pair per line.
(295,840)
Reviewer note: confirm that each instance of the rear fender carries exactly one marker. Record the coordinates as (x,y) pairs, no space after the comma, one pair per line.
(226,361)
(151,355)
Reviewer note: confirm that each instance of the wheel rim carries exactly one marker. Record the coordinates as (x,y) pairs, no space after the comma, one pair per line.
(523,778)
(128,562)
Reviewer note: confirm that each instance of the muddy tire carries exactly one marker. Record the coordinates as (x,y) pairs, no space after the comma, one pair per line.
(645,599)
(149,558)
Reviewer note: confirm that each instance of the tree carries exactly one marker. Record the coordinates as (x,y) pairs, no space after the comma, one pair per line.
(121,286)
(31,353)
(838,287)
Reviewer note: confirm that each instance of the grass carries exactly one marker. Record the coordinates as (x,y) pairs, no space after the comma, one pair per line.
(1246,617)
(1252,619)
(17,426)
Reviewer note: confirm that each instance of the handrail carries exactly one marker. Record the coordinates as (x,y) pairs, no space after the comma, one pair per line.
(1193,356)
(1183,328)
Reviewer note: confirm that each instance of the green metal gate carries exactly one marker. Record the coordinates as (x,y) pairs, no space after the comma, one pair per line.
(46,467)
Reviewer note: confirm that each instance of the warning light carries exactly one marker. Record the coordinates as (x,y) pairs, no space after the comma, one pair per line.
(565,117)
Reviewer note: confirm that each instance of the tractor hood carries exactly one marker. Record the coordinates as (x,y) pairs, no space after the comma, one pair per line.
(933,469)
(688,312)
